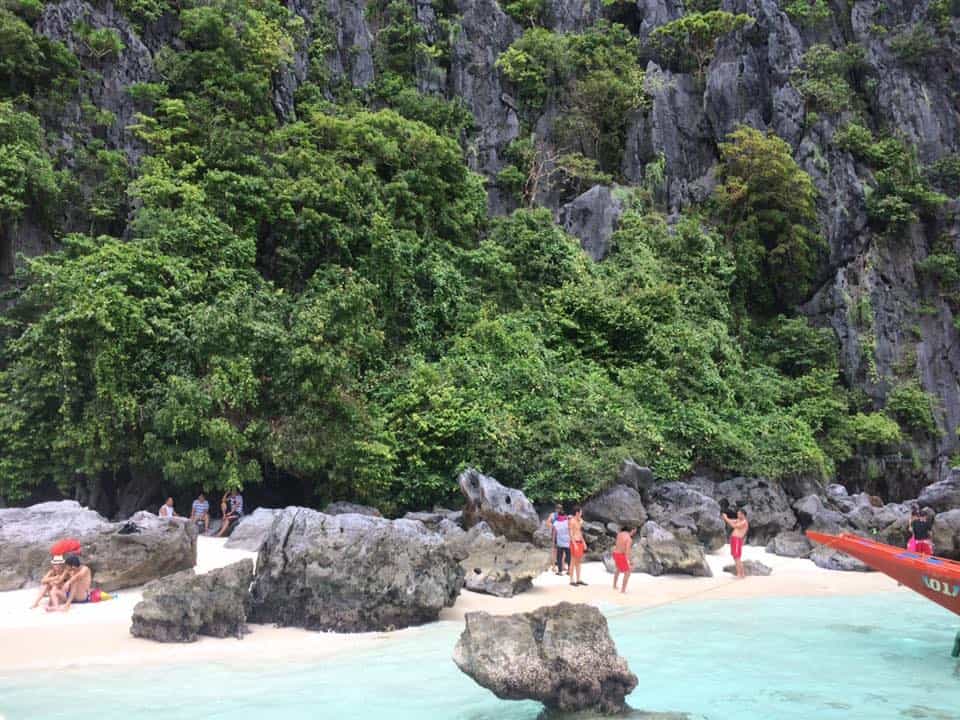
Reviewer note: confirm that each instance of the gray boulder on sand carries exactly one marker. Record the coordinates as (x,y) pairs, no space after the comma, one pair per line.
(352,573)
(946,534)
(252,530)
(618,504)
(790,543)
(562,656)
(686,511)
(750,567)
(831,559)
(943,495)
(505,510)
(183,606)
(117,560)
(497,566)
(659,552)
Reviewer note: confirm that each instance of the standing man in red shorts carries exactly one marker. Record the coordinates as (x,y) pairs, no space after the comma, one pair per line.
(740,527)
(621,556)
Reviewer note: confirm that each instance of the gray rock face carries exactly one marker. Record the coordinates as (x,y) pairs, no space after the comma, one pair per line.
(505,510)
(349,508)
(831,559)
(766,504)
(687,512)
(946,534)
(660,552)
(497,566)
(750,567)
(252,530)
(592,218)
(814,514)
(162,547)
(352,573)
(562,656)
(617,504)
(184,605)
(944,495)
(790,544)
(600,539)
(639,477)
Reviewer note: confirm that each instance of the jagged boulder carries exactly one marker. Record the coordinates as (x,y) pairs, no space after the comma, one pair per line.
(944,495)
(117,559)
(765,503)
(618,504)
(687,512)
(348,508)
(790,543)
(814,514)
(831,559)
(600,539)
(505,510)
(660,552)
(639,477)
(946,534)
(252,530)
(562,656)
(888,523)
(184,606)
(592,218)
(750,567)
(497,566)
(352,573)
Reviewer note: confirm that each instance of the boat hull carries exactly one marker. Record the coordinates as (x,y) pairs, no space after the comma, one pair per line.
(937,579)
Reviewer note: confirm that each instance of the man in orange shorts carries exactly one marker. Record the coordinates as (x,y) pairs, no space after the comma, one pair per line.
(740,527)
(621,556)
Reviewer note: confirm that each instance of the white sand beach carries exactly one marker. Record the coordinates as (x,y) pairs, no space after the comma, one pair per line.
(99,634)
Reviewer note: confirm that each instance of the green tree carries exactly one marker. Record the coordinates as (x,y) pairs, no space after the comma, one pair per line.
(692,38)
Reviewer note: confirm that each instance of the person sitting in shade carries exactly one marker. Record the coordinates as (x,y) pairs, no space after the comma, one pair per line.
(166,510)
(54,578)
(200,512)
(232,512)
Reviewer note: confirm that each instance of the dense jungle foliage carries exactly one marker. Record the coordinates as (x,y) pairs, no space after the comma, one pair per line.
(323,297)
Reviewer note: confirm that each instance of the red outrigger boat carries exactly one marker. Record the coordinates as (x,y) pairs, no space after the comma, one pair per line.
(935,578)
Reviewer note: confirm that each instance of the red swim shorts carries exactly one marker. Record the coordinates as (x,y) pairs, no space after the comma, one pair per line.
(577,548)
(623,565)
(736,547)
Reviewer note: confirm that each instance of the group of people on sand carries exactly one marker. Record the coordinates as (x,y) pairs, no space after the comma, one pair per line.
(68,582)
(231,510)
(569,545)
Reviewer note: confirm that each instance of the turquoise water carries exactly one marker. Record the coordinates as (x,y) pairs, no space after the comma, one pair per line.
(875,657)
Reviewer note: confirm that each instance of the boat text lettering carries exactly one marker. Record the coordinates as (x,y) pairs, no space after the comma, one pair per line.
(941,586)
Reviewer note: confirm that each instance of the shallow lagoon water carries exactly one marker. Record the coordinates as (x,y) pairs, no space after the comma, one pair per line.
(875,656)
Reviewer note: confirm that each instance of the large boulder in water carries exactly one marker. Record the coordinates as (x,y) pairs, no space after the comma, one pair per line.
(352,573)
(497,566)
(252,530)
(562,656)
(766,504)
(946,534)
(505,510)
(184,606)
(120,555)
(687,512)
(618,504)
(943,495)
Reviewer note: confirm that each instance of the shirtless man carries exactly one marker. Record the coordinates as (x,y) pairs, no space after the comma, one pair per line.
(75,590)
(578,545)
(740,527)
(621,556)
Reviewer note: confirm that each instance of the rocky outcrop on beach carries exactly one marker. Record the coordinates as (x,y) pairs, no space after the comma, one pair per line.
(507,511)
(120,555)
(687,511)
(620,505)
(943,495)
(946,534)
(352,573)
(750,567)
(562,656)
(657,551)
(184,606)
(348,508)
(790,544)
(496,566)
(252,530)
(766,505)
(830,559)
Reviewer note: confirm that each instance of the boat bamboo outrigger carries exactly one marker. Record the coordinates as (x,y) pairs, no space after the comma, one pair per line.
(935,578)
